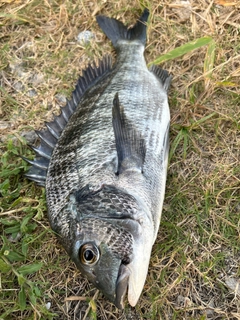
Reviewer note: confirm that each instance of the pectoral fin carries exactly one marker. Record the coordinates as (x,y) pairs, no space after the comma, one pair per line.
(130,144)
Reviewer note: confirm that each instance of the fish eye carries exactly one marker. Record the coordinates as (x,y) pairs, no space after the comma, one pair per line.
(89,254)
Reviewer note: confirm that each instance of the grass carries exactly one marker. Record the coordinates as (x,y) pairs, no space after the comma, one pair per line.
(194,269)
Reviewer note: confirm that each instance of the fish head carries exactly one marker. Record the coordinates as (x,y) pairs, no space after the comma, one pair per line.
(115,259)
(112,250)
(101,251)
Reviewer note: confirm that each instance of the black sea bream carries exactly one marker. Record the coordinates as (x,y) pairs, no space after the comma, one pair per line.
(103,163)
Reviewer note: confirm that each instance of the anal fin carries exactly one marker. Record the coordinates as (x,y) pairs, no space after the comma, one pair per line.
(130,144)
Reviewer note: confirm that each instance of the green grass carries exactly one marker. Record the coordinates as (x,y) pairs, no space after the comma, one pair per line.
(198,244)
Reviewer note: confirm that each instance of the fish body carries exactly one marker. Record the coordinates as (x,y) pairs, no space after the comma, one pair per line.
(103,162)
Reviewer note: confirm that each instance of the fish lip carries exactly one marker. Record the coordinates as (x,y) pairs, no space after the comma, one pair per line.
(122,286)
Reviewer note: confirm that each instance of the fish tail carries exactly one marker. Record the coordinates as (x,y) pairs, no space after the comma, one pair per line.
(115,30)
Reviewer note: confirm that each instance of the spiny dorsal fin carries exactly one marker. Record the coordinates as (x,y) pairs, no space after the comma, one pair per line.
(49,136)
(115,30)
(130,145)
(163,75)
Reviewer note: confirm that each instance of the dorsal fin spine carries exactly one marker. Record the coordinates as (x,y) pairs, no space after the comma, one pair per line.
(51,130)
(44,136)
(39,152)
(40,165)
(58,122)
(49,136)
(71,106)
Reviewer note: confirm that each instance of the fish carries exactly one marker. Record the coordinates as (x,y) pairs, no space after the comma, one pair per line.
(103,162)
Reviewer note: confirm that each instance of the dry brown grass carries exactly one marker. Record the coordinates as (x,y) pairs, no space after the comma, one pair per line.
(194,270)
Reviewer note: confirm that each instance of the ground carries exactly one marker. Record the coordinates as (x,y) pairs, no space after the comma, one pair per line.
(194,270)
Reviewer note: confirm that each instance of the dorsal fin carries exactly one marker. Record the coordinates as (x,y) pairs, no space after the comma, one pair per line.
(49,136)
(163,75)
(130,145)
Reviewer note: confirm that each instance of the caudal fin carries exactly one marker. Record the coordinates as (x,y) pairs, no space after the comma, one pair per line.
(115,30)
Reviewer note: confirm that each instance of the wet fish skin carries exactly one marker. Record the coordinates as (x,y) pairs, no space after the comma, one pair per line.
(105,179)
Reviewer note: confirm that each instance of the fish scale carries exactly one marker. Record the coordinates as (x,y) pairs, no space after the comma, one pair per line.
(103,162)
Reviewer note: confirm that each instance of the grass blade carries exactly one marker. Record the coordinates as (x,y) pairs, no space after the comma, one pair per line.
(209,62)
(203,119)
(175,143)
(185,48)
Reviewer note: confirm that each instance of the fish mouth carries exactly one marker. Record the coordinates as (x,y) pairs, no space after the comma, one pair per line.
(122,286)
(132,276)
